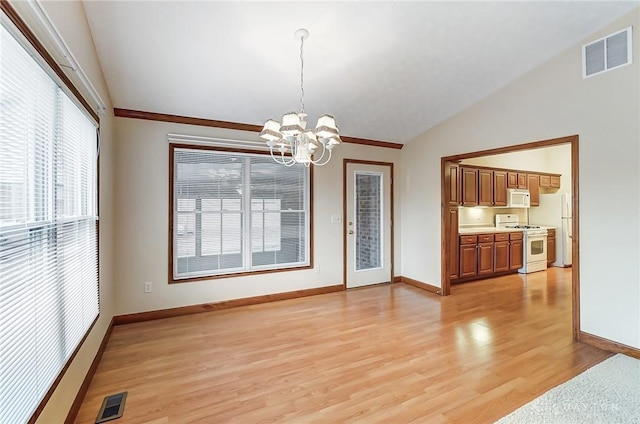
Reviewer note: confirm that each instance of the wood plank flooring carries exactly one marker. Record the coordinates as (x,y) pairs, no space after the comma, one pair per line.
(389,354)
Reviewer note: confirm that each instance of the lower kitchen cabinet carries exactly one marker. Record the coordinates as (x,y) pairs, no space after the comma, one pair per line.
(468,256)
(501,253)
(485,255)
(551,246)
(516,250)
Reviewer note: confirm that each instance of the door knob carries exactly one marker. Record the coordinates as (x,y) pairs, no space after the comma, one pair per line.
(350,232)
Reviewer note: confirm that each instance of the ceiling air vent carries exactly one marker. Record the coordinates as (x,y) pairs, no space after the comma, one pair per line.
(610,52)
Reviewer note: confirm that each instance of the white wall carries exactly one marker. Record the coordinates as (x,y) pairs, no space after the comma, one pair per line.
(549,102)
(141,239)
(70,20)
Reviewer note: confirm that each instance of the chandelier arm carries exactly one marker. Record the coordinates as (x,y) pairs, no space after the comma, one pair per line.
(317,163)
(324,150)
(282,159)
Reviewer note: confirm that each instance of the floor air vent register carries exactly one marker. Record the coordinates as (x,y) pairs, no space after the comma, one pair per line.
(112,407)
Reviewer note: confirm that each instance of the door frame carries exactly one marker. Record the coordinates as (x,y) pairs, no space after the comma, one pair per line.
(575,193)
(346,162)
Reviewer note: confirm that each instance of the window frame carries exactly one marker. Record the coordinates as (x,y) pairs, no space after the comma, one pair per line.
(13,23)
(226,274)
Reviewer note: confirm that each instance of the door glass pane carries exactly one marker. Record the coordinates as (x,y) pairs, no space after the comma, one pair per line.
(368,220)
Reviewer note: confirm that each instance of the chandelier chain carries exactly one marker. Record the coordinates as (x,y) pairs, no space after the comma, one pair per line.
(302,74)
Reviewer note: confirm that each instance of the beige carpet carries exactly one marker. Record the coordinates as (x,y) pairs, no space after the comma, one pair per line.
(607,393)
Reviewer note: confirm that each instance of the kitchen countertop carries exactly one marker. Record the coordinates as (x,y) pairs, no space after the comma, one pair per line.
(485,230)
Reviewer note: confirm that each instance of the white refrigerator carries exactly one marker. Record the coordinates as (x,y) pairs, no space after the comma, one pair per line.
(555,211)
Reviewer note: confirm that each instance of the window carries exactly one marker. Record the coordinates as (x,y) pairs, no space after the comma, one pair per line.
(236,213)
(48,230)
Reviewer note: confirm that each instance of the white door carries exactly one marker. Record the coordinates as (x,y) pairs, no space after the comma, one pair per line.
(368,224)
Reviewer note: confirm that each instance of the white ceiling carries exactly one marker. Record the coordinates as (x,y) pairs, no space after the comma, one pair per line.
(386,70)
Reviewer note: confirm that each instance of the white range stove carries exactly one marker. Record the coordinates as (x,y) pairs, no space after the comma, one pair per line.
(534,242)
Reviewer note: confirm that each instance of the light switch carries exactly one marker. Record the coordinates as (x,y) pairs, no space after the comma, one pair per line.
(336,219)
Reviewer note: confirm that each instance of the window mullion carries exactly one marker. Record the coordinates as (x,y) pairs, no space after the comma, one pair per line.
(247,216)
(198,227)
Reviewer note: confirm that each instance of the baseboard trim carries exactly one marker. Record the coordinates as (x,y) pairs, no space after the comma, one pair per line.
(609,345)
(82,392)
(397,279)
(208,307)
(421,285)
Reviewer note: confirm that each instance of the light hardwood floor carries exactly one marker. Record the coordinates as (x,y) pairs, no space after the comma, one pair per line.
(389,353)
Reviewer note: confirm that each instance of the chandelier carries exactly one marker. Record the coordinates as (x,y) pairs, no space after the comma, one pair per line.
(291,142)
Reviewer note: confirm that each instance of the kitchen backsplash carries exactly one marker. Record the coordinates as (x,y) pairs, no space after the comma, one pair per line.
(486,216)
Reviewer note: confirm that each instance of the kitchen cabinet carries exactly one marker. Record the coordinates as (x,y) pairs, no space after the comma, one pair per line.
(482,186)
(485,255)
(522,180)
(545,181)
(485,187)
(533,181)
(501,252)
(453,258)
(516,250)
(500,183)
(512,180)
(469,178)
(452,173)
(551,246)
(468,256)
(516,179)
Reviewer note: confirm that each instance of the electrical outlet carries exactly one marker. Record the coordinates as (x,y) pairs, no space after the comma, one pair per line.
(317,268)
(148,287)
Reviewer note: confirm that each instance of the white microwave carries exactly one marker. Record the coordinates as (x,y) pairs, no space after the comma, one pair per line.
(518,198)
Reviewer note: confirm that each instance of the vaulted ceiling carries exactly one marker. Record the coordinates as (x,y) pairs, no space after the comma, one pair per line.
(386,70)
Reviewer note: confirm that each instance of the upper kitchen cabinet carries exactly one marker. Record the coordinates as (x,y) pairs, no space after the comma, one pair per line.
(452,182)
(500,182)
(522,180)
(516,179)
(533,181)
(545,181)
(485,187)
(469,178)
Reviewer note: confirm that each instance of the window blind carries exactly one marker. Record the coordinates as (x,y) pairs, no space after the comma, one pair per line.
(48,230)
(236,212)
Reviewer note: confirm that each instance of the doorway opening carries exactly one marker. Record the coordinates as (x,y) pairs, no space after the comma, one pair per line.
(451,196)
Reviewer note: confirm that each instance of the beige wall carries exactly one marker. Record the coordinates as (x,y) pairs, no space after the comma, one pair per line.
(484,216)
(548,102)
(141,239)
(554,159)
(70,20)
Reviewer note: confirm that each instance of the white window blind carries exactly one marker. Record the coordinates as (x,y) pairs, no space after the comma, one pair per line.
(236,212)
(48,230)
